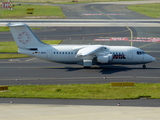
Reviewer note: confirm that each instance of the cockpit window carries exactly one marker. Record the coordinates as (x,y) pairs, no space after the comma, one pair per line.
(140,52)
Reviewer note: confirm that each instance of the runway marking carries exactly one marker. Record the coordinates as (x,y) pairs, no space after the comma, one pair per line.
(78,67)
(157,57)
(44,67)
(83,78)
(102,13)
(147,45)
(153,51)
(14,60)
(65,78)
(30,59)
(135,39)
(93,33)
(131,35)
(17,60)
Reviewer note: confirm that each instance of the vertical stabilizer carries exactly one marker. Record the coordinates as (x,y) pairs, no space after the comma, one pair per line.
(23,36)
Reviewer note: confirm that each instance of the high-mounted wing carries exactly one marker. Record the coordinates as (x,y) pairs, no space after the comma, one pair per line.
(89,50)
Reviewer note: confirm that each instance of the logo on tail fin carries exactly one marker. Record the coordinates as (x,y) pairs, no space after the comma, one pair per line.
(24,37)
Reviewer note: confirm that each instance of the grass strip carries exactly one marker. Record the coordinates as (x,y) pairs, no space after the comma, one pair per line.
(11,47)
(8,47)
(68,1)
(39,12)
(151,10)
(84,91)
(54,42)
(9,56)
(6,29)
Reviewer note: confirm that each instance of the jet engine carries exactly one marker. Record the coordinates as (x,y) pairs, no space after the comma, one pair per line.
(105,59)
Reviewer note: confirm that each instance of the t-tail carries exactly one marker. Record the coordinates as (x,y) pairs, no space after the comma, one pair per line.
(26,40)
(24,37)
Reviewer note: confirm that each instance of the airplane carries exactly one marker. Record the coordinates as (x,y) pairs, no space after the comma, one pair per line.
(86,55)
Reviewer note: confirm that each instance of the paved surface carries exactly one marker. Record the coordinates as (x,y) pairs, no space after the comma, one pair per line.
(58,109)
(68,112)
(104,10)
(33,71)
(86,35)
(127,103)
(100,11)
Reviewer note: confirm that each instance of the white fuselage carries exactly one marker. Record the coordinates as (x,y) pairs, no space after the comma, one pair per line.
(86,55)
(66,54)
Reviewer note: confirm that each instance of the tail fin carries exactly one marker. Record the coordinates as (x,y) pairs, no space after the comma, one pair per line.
(23,36)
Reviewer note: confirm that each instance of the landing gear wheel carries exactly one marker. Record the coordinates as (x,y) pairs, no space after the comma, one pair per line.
(87,67)
(144,66)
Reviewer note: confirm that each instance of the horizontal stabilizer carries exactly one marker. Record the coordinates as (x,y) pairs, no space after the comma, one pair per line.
(16,24)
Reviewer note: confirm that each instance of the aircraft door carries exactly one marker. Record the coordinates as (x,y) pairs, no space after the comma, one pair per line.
(49,53)
(130,54)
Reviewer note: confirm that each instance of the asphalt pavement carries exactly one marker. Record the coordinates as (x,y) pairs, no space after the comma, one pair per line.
(35,71)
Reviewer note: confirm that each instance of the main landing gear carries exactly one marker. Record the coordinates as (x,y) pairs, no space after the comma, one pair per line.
(87,67)
(144,66)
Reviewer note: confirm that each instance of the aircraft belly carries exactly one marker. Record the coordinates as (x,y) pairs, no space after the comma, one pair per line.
(66,59)
(119,61)
(126,62)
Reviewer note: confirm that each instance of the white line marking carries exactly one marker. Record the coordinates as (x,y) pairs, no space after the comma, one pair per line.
(138,39)
(30,59)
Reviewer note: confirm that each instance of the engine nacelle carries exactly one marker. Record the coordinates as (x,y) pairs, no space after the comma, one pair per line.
(105,59)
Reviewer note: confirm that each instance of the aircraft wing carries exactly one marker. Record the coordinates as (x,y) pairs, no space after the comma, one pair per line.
(89,50)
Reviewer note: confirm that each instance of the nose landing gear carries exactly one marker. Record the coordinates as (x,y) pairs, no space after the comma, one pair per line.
(144,66)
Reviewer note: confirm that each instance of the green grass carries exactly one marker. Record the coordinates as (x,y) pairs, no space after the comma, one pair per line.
(11,47)
(151,10)
(9,56)
(6,29)
(39,12)
(55,42)
(8,47)
(67,1)
(84,91)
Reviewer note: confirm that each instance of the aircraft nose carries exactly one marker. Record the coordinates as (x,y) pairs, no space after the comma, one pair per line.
(153,59)
(149,58)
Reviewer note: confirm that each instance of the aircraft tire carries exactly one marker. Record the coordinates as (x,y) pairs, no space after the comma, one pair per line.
(144,66)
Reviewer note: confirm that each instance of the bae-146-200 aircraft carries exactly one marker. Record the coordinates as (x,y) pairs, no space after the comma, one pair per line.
(86,55)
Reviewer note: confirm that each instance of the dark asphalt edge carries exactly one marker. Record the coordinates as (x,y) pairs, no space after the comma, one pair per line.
(132,102)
